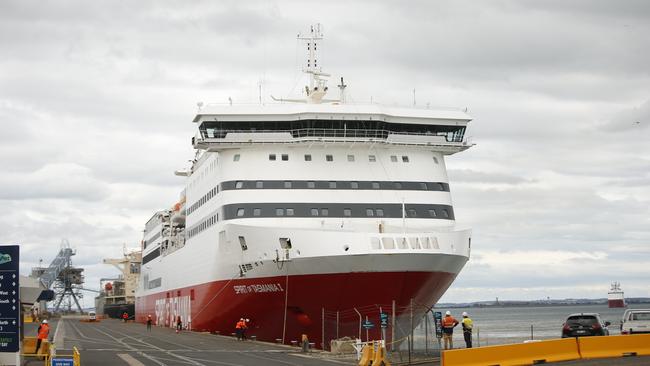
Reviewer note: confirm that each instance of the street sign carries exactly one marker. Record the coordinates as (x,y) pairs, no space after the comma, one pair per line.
(437,320)
(383,320)
(368,324)
(9,298)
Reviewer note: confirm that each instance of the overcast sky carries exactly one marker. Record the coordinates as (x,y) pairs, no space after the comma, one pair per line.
(96,102)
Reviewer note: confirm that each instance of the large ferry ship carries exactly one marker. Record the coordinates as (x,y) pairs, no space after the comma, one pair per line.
(300,209)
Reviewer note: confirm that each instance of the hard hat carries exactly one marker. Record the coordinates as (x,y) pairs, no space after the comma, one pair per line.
(448,312)
(248,320)
(44,321)
(241,319)
(464,313)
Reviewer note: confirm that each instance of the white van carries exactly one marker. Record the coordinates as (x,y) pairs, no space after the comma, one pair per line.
(92,316)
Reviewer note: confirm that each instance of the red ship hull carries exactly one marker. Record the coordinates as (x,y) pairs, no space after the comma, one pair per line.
(618,303)
(217,306)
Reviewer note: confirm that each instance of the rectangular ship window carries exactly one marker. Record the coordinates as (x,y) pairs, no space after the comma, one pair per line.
(239,184)
(242,243)
(290,212)
(272,157)
(259,184)
(329,158)
(332,185)
(311,184)
(393,158)
(257,212)
(285,157)
(411,212)
(398,185)
(372,158)
(375,185)
(307,157)
(435,160)
(369,212)
(347,212)
(240,212)
(405,159)
(445,213)
(379,212)
(423,186)
(324,212)
(354,185)
(287,184)
(279,212)
(350,157)
(235,157)
(314,211)
(432,213)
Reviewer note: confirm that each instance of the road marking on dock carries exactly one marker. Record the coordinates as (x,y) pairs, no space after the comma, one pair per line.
(129,359)
(131,348)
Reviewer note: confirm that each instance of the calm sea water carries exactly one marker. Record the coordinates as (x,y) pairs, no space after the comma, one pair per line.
(513,324)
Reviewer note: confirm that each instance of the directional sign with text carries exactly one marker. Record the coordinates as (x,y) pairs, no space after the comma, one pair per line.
(437,321)
(383,320)
(368,324)
(9,298)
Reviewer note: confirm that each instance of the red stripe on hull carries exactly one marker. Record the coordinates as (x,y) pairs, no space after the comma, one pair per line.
(217,306)
(620,303)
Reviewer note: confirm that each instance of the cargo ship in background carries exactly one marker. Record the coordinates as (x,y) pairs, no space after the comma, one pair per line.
(615,296)
(117,295)
(301,213)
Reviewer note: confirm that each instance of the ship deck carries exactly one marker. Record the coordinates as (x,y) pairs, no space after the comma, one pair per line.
(112,342)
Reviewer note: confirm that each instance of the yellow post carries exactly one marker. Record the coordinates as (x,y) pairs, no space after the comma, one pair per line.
(380,356)
(367,354)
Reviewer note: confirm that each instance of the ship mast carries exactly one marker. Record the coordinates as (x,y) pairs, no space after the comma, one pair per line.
(317,78)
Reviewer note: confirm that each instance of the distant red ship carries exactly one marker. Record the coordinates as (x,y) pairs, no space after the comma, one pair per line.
(615,297)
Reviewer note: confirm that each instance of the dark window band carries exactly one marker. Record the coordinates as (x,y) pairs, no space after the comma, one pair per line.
(333,184)
(338,210)
(152,239)
(151,256)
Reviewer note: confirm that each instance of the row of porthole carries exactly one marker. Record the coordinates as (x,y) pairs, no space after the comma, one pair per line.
(404,243)
(347,212)
(330,158)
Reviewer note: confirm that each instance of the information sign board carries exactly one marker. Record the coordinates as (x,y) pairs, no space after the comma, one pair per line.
(62,362)
(368,324)
(9,298)
(383,320)
(437,320)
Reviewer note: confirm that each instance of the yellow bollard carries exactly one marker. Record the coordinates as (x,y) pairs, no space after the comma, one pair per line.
(380,358)
(367,354)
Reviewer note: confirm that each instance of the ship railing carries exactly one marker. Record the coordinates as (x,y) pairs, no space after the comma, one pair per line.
(383,134)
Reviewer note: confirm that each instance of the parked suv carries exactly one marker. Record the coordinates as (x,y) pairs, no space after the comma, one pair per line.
(636,321)
(584,324)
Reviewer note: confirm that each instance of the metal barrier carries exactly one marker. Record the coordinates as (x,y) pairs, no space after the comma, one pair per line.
(56,359)
(515,354)
(374,353)
(29,344)
(615,346)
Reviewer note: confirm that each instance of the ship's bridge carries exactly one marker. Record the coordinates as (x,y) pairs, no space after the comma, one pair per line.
(234,126)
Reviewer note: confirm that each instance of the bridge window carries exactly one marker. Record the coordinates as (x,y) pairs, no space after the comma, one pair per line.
(314,211)
(432,213)
(239,184)
(240,212)
(445,213)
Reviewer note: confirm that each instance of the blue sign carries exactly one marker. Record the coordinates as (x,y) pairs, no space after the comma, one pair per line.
(437,321)
(383,320)
(62,362)
(368,324)
(9,298)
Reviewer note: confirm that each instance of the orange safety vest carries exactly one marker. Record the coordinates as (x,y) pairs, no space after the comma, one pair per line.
(240,325)
(448,322)
(43,331)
